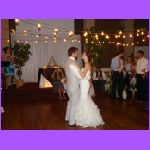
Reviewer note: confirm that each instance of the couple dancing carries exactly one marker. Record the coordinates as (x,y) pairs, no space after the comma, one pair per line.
(81,110)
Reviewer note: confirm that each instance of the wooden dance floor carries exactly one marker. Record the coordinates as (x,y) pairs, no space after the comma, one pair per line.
(31,108)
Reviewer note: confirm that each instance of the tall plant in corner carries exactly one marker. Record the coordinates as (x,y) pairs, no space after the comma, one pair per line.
(22,54)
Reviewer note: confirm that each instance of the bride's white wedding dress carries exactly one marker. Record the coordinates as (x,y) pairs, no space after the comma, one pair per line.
(87,113)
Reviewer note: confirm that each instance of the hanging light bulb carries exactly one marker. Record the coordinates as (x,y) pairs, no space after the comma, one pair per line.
(8,41)
(107,37)
(65,40)
(70,33)
(116,36)
(54,33)
(72,40)
(132,44)
(26,42)
(39,27)
(85,34)
(142,33)
(138,30)
(130,35)
(127,44)
(147,36)
(17,41)
(45,41)
(79,42)
(25,32)
(137,34)
(13,31)
(46,37)
(37,35)
(36,42)
(86,40)
(124,44)
(96,36)
(143,40)
(17,21)
(124,36)
(102,33)
(55,30)
(120,32)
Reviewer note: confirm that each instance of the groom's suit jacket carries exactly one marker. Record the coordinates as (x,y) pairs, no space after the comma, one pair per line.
(73,75)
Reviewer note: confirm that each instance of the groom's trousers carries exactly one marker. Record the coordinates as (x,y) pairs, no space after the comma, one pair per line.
(74,97)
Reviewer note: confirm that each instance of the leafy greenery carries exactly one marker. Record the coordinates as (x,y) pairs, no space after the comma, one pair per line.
(94,47)
(22,54)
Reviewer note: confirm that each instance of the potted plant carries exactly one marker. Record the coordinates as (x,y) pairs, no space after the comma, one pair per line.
(22,54)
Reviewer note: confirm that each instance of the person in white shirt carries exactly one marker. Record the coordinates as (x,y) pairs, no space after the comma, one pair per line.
(117,66)
(99,79)
(74,74)
(142,76)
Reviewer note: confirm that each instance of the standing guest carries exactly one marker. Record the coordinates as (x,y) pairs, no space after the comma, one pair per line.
(8,71)
(142,76)
(99,79)
(128,70)
(117,74)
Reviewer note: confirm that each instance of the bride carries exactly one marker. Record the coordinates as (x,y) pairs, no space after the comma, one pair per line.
(87,113)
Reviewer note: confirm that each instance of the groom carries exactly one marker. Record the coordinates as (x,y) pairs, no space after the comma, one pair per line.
(74,75)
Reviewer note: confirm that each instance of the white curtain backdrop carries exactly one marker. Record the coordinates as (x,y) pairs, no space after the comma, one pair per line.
(41,53)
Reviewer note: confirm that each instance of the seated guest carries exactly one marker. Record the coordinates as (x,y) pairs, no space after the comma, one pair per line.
(8,71)
(99,79)
(142,77)
(58,78)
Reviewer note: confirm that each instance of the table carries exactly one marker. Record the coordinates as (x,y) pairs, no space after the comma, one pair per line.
(47,72)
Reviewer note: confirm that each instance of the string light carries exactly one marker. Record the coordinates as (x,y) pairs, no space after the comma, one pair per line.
(25,32)
(65,40)
(96,36)
(79,42)
(13,31)
(127,44)
(26,42)
(17,41)
(45,41)
(85,34)
(54,33)
(132,44)
(17,21)
(86,40)
(147,36)
(130,35)
(102,33)
(36,42)
(138,30)
(8,41)
(70,33)
(46,37)
(107,37)
(55,30)
(137,34)
(116,36)
(37,35)
(72,41)
(120,32)
(143,40)
(124,36)
(142,33)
